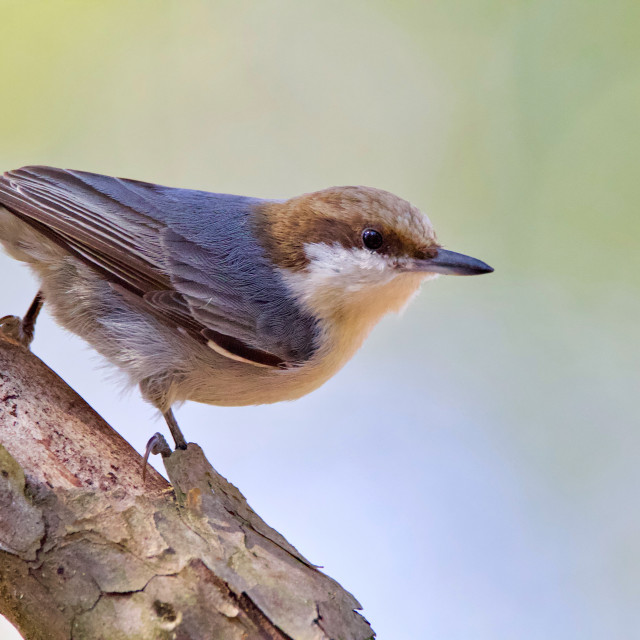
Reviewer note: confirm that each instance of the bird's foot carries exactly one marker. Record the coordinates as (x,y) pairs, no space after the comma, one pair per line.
(156,445)
(21,330)
(13,328)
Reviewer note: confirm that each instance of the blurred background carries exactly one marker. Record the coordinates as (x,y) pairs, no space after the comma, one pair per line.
(473,472)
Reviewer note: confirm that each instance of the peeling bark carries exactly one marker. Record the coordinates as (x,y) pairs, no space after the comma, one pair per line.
(87,550)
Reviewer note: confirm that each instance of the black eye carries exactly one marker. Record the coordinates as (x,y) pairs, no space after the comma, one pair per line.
(372,239)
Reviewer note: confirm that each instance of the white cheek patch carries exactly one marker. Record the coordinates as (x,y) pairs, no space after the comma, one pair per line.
(365,283)
(350,269)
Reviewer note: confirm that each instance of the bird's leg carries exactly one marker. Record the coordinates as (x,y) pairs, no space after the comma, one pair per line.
(29,320)
(178,438)
(22,329)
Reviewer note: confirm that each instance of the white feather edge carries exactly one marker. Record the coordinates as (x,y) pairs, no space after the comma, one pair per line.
(232,356)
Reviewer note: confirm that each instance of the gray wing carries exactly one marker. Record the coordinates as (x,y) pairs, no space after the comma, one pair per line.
(186,256)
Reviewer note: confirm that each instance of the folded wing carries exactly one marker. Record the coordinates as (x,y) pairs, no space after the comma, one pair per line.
(185,256)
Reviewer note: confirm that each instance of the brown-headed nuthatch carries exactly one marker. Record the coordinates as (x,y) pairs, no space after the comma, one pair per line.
(216,298)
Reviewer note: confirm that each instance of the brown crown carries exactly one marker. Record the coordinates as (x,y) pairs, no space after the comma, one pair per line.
(339,215)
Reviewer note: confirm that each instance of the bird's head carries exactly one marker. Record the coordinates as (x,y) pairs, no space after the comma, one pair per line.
(355,251)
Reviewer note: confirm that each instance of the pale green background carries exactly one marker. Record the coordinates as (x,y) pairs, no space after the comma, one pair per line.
(473,473)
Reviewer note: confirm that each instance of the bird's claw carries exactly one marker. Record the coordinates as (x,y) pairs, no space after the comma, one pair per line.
(156,445)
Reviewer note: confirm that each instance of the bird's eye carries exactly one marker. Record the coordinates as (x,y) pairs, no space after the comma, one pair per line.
(372,239)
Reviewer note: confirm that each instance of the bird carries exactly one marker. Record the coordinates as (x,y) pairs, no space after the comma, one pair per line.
(216,298)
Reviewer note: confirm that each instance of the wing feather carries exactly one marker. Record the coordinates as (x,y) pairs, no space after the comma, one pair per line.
(134,234)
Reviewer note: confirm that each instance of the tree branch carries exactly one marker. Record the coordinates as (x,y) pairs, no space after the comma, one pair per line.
(87,550)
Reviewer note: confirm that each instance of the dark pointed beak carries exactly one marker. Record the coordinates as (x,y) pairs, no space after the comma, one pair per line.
(452,264)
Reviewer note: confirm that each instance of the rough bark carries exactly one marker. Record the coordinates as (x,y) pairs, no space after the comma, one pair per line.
(87,550)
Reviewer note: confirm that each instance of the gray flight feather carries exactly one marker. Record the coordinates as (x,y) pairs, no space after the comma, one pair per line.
(187,256)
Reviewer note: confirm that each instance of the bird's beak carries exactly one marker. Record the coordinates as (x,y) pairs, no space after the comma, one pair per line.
(452,264)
